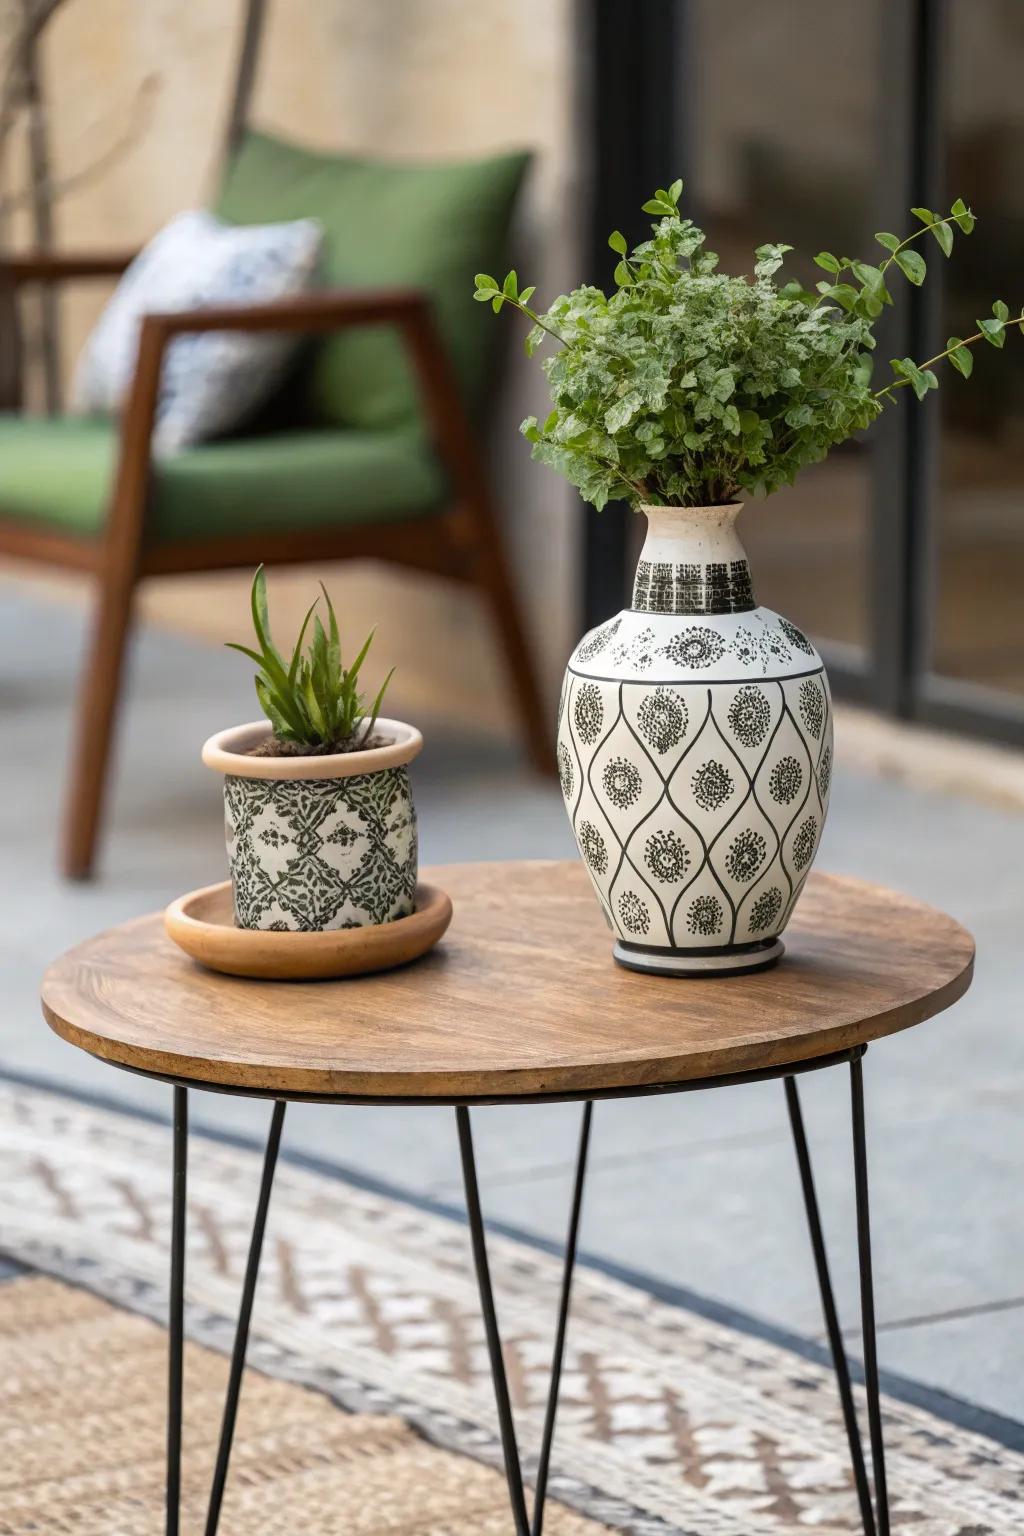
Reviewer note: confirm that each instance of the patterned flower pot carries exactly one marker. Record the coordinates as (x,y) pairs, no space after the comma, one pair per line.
(318,842)
(695,752)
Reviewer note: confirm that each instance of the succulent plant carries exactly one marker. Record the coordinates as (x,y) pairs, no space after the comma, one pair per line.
(313,701)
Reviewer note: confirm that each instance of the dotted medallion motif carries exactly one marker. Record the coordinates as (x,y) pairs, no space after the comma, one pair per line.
(566,771)
(308,855)
(749,716)
(666,856)
(812,706)
(623,783)
(785,780)
(662,718)
(696,761)
(589,712)
(765,909)
(593,847)
(746,855)
(696,646)
(712,785)
(706,916)
(636,919)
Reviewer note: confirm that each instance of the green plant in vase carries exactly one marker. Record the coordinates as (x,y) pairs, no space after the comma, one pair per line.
(688,386)
(695,731)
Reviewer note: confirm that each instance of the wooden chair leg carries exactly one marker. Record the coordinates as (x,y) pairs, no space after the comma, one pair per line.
(94,729)
(492,576)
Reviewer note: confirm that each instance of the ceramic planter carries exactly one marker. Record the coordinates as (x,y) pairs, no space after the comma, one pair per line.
(695,754)
(316,843)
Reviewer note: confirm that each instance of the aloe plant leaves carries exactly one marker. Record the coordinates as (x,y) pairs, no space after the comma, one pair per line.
(314,701)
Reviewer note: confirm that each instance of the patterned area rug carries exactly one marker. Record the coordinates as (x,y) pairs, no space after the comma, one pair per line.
(82,1441)
(670,1421)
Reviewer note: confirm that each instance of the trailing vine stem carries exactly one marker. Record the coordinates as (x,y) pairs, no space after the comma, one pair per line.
(941,357)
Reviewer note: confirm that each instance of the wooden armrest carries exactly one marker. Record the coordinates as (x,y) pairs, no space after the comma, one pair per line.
(323,311)
(58,267)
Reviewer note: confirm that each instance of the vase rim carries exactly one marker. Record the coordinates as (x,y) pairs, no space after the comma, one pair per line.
(678,506)
(229,752)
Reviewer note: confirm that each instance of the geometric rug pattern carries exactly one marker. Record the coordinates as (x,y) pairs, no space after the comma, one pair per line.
(83,1429)
(669,1421)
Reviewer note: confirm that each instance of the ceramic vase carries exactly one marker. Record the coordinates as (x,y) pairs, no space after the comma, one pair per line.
(316,843)
(695,754)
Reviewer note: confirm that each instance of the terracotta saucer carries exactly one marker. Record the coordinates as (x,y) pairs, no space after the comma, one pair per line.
(203,925)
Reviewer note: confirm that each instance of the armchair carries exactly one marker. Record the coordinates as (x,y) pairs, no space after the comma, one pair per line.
(90,496)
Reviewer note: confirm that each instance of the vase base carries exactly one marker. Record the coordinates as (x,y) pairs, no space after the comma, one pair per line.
(733,960)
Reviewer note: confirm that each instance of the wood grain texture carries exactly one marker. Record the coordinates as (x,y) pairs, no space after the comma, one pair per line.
(521,998)
(203,925)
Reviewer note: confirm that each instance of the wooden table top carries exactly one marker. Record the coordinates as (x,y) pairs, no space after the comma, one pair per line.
(521,998)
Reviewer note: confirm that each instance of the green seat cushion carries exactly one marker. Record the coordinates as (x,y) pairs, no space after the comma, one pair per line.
(59,472)
(428,226)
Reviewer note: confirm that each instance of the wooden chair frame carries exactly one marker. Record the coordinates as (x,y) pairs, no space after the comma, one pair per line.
(462,542)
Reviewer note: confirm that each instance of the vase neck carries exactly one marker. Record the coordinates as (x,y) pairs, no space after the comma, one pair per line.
(692,562)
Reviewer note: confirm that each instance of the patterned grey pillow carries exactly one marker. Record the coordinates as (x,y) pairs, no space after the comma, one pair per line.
(211,381)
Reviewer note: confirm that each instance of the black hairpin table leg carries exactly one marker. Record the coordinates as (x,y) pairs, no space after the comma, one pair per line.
(177,1316)
(874,1518)
(252,1270)
(867,1297)
(506,1423)
(176,1319)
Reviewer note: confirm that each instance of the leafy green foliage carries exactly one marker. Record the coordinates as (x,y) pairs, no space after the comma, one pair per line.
(313,701)
(687,386)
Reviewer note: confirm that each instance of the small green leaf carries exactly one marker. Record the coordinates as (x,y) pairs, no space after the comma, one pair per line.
(993,331)
(944,235)
(551,422)
(722,385)
(731,420)
(297,652)
(912,265)
(963,215)
(675,191)
(623,276)
(497,302)
(617,241)
(827,261)
(1000,310)
(869,305)
(924,214)
(485,284)
(845,294)
(527,294)
(510,287)
(961,357)
(891,242)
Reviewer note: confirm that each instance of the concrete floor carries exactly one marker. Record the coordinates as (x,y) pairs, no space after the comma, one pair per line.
(699,1190)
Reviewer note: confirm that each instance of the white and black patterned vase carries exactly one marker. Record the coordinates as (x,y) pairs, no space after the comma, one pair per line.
(316,843)
(695,754)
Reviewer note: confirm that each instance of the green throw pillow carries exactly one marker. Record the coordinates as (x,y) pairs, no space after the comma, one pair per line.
(425,226)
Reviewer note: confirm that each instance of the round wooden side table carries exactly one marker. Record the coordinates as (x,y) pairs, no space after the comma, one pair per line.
(521,1003)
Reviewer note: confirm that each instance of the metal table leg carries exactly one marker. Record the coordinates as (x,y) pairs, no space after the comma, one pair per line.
(177,1317)
(874,1516)
(510,1447)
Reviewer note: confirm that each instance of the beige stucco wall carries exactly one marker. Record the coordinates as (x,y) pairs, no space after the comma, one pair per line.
(398,78)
